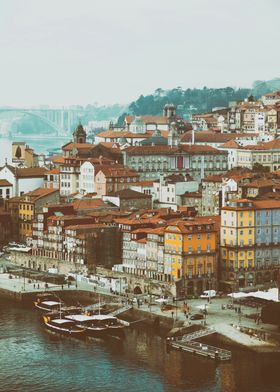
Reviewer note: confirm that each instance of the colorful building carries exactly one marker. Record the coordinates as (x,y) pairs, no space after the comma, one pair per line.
(250,243)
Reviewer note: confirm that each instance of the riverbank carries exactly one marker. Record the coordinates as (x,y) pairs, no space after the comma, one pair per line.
(228,324)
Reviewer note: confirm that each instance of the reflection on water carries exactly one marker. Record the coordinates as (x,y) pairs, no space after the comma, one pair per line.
(34,360)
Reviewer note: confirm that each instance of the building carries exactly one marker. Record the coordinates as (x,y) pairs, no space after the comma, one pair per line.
(6,190)
(265,154)
(167,190)
(191,254)
(113,178)
(23,179)
(30,204)
(23,155)
(5,227)
(250,243)
(129,200)
(52,179)
(196,160)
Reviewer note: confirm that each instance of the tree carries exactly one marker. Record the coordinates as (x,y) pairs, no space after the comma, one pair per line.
(18,152)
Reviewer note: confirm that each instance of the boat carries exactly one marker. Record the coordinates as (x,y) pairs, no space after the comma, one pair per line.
(48,302)
(64,311)
(63,326)
(100,325)
(93,327)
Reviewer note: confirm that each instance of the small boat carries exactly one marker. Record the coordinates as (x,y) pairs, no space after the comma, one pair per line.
(48,306)
(63,326)
(48,302)
(115,326)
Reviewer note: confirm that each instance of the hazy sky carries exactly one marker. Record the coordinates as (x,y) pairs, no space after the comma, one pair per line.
(62,52)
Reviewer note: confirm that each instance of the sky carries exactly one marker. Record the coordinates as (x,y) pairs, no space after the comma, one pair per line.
(63,52)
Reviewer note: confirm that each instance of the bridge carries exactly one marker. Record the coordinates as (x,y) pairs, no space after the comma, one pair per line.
(61,120)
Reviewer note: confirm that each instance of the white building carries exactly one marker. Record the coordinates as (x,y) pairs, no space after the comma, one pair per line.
(23,180)
(87,178)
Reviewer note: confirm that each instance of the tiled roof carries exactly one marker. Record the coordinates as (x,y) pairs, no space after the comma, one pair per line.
(83,204)
(130,194)
(230,144)
(39,192)
(143,183)
(123,134)
(121,171)
(69,146)
(149,119)
(30,172)
(5,183)
(52,171)
(214,137)
(214,178)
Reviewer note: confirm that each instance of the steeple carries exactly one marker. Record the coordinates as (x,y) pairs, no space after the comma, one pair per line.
(173,136)
(79,135)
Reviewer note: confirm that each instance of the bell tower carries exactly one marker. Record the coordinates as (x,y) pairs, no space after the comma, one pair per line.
(79,135)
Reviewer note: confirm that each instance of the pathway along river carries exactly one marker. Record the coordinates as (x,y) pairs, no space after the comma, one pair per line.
(33,360)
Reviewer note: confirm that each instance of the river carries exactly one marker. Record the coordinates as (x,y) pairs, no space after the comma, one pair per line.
(32,360)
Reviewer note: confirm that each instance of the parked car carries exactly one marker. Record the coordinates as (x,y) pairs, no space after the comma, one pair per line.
(197,316)
(209,294)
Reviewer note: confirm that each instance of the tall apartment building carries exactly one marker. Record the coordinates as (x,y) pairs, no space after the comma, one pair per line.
(250,243)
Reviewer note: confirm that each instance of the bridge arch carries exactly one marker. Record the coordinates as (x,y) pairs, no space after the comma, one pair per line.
(57,129)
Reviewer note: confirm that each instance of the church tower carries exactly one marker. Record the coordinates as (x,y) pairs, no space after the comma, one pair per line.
(169,110)
(79,135)
(173,135)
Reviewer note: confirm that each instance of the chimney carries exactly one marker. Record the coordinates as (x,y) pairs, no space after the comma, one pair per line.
(192,135)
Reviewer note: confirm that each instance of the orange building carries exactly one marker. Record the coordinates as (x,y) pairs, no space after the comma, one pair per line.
(191,254)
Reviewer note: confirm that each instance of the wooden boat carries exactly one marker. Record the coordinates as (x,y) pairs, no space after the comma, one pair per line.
(64,311)
(63,326)
(100,325)
(92,326)
(47,301)
(48,306)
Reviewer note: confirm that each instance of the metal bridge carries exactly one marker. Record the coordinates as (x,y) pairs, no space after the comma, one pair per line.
(62,120)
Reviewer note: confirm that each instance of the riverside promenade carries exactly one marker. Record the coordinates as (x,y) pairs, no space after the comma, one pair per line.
(226,322)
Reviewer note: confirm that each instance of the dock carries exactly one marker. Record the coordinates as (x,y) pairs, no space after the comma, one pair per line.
(189,344)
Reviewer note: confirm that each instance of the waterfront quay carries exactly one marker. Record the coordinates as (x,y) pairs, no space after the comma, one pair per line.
(231,325)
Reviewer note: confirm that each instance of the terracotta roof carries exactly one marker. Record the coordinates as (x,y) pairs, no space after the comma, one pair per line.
(69,146)
(30,172)
(230,144)
(214,178)
(143,183)
(123,134)
(52,171)
(192,194)
(130,194)
(39,192)
(5,183)
(56,159)
(86,227)
(83,204)
(149,119)
(120,171)
(214,137)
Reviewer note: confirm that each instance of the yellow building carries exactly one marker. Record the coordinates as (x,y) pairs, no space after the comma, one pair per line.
(23,154)
(237,240)
(30,204)
(190,248)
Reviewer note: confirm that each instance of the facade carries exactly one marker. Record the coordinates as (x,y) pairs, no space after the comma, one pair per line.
(52,179)
(114,178)
(6,190)
(191,255)
(197,161)
(29,205)
(23,179)
(23,155)
(129,200)
(250,243)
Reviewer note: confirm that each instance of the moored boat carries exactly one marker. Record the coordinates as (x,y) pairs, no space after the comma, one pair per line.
(92,326)
(63,326)
(48,306)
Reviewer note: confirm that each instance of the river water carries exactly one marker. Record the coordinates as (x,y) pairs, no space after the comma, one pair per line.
(32,360)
